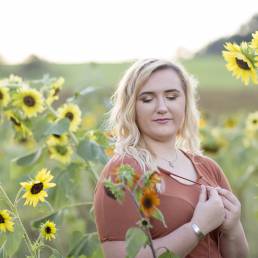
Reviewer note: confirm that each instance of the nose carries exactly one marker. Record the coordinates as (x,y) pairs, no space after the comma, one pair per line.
(161,106)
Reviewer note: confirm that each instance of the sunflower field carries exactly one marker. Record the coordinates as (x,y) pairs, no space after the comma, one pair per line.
(53,147)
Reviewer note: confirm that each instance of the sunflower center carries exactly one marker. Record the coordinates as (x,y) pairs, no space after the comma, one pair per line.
(23,140)
(147,203)
(36,188)
(255,121)
(57,135)
(69,115)
(56,92)
(29,101)
(242,64)
(1,95)
(48,230)
(1,219)
(61,149)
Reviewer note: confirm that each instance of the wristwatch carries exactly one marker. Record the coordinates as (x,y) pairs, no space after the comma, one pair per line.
(197,231)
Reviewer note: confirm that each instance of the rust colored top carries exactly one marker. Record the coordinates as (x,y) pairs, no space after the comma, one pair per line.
(177,203)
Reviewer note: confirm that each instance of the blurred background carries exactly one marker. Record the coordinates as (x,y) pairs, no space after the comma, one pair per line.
(92,43)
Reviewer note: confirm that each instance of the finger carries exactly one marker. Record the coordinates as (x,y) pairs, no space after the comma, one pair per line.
(212,192)
(227,204)
(203,194)
(229,195)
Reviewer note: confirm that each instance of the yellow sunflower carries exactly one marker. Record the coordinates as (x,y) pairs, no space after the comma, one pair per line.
(56,139)
(35,189)
(202,122)
(4,96)
(149,201)
(30,101)
(154,180)
(27,142)
(252,121)
(230,122)
(62,153)
(109,151)
(55,89)
(238,63)
(73,113)
(89,121)
(18,125)
(48,230)
(254,42)
(5,221)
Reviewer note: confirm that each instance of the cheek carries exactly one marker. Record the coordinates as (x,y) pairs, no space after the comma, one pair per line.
(143,113)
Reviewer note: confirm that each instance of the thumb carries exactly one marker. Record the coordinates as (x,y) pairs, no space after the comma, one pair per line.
(203,194)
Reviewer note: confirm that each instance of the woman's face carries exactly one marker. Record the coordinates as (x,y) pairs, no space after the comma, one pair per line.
(160,106)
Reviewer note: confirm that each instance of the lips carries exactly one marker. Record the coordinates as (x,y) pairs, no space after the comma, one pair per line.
(162,119)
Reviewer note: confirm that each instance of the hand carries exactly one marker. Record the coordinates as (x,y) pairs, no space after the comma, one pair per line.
(209,212)
(232,208)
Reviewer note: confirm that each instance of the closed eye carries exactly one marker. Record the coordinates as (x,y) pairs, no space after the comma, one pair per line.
(149,100)
(171,98)
(146,100)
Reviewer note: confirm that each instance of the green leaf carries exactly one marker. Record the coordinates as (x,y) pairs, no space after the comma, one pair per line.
(135,239)
(83,92)
(158,215)
(2,248)
(55,254)
(89,150)
(54,216)
(114,191)
(28,159)
(58,128)
(14,240)
(86,245)
(168,254)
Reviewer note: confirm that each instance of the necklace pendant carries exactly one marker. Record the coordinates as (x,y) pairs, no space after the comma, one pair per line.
(170,164)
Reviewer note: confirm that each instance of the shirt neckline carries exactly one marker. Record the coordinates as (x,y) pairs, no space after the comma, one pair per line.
(190,157)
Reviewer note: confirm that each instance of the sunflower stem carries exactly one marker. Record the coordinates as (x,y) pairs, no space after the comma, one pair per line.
(147,230)
(17,197)
(74,138)
(27,239)
(49,205)
(52,110)
(10,204)
(15,211)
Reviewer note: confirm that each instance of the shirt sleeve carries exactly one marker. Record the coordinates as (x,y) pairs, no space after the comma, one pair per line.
(112,218)
(221,178)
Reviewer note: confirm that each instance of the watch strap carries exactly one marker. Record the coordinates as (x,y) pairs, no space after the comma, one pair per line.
(197,231)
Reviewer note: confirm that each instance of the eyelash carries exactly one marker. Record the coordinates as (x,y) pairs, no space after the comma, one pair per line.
(149,100)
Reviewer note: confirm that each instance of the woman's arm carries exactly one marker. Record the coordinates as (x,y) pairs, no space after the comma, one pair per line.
(208,215)
(234,243)
(181,241)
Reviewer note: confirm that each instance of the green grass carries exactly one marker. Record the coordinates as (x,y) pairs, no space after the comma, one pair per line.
(210,72)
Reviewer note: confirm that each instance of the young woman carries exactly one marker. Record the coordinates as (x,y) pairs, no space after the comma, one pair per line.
(155,121)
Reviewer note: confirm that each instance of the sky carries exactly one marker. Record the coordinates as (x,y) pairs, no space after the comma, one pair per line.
(115,30)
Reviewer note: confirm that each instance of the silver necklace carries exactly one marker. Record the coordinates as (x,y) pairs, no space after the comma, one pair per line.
(170,163)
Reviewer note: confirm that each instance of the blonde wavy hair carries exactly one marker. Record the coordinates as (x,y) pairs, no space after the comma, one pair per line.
(122,116)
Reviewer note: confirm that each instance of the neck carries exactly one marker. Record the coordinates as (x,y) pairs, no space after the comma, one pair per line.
(165,149)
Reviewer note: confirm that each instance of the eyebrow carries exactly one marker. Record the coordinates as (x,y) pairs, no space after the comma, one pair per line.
(151,92)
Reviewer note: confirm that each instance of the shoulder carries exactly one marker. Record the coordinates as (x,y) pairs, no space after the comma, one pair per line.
(118,160)
(210,168)
(114,163)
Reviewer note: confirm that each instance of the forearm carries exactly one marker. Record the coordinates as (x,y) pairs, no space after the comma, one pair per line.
(234,244)
(181,242)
